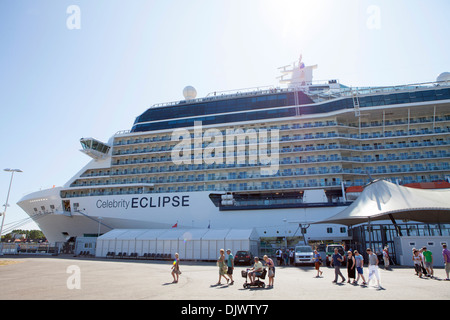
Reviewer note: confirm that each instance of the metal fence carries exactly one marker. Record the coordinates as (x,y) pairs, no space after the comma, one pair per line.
(29,248)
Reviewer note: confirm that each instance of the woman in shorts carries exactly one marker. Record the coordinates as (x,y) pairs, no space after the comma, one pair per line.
(176,268)
(271,266)
(359,262)
(417,259)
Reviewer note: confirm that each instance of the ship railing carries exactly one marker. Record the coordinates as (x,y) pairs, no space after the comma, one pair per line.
(122,132)
(388,89)
(291,201)
(331,93)
(218,95)
(318,96)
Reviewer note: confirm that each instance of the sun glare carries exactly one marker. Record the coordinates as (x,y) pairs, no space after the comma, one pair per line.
(295,17)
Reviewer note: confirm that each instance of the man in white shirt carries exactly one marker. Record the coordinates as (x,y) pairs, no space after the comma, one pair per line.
(256,270)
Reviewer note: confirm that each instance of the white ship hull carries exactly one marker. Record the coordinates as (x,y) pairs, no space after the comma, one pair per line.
(100,214)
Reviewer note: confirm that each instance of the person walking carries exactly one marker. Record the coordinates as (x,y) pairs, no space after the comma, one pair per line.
(350,267)
(386,257)
(230,265)
(337,259)
(417,260)
(317,263)
(373,266)
(176,268)
(359,262)
(424,270)
(286,256)
(446,254)
(428,261)
(222,266)
(271,273)
(279,256)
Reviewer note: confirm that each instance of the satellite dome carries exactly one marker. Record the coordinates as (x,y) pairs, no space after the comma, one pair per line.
(189,93)
(445,76)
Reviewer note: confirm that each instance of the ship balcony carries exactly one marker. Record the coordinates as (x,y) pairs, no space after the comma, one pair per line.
(97,190)
(294,127)
(321,136)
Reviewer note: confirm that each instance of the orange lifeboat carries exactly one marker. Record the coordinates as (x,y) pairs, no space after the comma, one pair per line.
(353,192)
(429,185)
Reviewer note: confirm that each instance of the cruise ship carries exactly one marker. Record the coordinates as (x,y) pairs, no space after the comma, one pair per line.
(274,158)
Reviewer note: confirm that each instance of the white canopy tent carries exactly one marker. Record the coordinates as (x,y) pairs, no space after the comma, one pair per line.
(382,200)
(212,242)
(190,244)
(238,239)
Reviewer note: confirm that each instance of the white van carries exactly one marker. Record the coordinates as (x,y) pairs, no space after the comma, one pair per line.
(304,255)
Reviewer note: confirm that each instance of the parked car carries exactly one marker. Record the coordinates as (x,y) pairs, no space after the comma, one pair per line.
(304,255)
(330,252)
(243,257)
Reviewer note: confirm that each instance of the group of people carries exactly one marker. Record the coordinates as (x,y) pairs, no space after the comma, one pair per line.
(257,270)
(355,263)
(422,258)
(285,257)
(226,266)
(423,261)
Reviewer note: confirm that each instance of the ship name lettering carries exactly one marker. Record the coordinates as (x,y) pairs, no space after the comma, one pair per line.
(160,202)
(113,204)
(145,202)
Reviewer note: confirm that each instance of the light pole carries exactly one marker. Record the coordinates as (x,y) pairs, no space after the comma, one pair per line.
(99,223)
(285,232)
(7,199)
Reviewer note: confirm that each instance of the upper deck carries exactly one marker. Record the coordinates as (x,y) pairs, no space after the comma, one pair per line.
(271,103)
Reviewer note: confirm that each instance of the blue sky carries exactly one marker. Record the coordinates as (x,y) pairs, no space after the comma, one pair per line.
(58,85)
